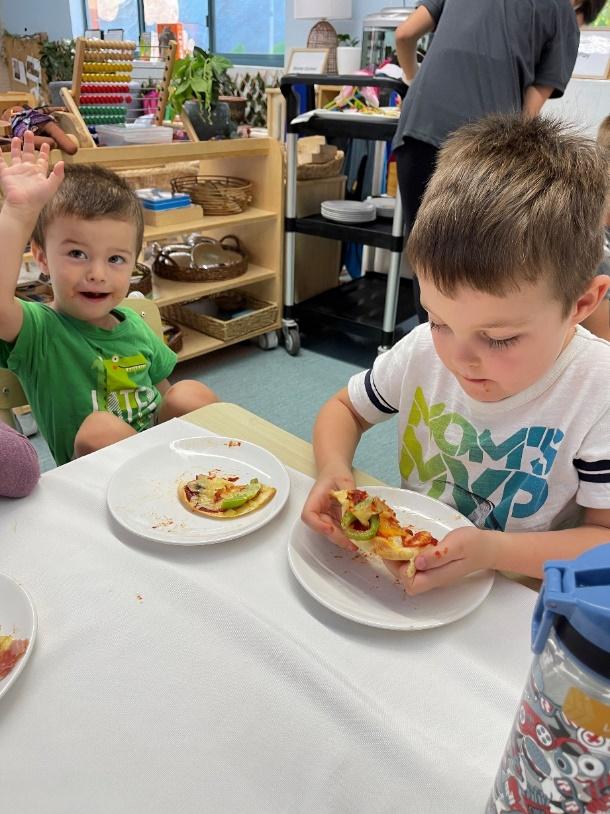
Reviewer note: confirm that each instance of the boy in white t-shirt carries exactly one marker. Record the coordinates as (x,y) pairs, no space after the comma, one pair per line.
(502,398)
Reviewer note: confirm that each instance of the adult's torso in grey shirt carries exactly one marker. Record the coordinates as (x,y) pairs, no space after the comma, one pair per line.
(483,56)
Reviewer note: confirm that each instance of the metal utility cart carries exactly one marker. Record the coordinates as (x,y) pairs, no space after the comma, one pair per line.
(369,305)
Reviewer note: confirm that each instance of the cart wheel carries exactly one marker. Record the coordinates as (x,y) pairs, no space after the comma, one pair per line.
(268,341)
(292,341)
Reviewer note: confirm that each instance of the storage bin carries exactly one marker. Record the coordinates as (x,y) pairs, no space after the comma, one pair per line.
(263,314)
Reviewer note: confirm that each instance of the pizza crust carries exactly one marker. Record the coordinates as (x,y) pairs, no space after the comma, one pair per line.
(381,547)
(261,499)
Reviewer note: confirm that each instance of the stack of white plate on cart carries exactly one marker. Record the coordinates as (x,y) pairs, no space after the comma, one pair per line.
(349,211)
(385,205)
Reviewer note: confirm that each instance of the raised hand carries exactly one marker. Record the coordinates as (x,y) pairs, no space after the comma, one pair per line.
(26,183)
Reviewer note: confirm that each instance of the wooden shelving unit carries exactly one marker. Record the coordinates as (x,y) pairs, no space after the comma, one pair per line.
(259,228)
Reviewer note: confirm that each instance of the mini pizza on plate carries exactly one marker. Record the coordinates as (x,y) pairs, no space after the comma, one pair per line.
(222,496)
(372,525)
(11,650)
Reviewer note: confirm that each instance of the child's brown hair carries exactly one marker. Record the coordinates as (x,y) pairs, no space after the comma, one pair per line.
(90,192)
(512,200)
(603,136)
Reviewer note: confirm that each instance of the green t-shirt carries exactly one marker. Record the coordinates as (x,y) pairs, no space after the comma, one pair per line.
(69,369)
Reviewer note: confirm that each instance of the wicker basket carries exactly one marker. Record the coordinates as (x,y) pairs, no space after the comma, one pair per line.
(205,260)
(217,194)
(172,335)
(160,177)
(263,316)
(329,169)
(141,279)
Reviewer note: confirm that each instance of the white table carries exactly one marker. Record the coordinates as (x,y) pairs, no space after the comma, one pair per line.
(204,679)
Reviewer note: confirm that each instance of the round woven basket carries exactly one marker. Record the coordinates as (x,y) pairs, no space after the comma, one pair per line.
(172,335)
(141,279)
(207,260)
(217,194)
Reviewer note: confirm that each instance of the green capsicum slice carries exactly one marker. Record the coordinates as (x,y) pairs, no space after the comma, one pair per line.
(363,534)
(237,499)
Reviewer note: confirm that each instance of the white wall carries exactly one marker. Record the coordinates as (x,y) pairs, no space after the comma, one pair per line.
(297,30)
(32,16)
(584,104)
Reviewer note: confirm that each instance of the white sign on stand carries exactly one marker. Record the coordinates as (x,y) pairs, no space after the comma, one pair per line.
(307,61)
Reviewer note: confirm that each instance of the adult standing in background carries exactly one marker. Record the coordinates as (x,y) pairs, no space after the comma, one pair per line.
(486,56)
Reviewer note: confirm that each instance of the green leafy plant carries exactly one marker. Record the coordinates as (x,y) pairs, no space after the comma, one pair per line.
(201,77)
(347,40)
(57,59)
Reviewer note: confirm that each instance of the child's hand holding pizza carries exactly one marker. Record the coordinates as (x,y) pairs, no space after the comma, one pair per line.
(461,552)
(321,513)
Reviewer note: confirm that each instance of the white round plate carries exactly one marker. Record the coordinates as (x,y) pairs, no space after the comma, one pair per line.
(386,114)
(347,207)
(364,591)
(143,493)
(17,619)
(363,217)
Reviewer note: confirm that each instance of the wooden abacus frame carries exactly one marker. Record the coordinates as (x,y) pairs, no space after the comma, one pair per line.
(111,51)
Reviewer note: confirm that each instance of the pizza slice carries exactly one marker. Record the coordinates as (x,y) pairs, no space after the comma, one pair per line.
(11,650)
(223,497)
(372,525)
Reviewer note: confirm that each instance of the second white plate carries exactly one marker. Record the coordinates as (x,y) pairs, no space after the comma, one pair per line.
(364,591)
(143,493)
(18,619)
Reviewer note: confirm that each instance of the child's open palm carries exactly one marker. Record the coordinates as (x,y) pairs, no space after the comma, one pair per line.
(26,183)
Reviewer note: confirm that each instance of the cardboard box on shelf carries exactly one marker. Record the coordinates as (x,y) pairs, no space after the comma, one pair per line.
(317,260)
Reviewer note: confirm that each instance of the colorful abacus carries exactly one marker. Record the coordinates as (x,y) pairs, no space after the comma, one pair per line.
(100,89)
(100,85)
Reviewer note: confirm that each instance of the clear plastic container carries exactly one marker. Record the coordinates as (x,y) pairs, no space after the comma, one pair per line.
(114,135)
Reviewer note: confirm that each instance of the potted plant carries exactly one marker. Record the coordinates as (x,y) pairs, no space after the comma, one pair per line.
(348,54)
(197,81)
(57,60)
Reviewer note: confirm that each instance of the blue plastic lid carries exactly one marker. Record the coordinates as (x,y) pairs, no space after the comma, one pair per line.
(575,597)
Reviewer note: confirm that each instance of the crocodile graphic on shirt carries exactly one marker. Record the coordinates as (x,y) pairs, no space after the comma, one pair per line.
(119,394)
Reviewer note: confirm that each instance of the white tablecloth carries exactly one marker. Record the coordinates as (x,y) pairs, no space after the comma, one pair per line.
(204,679)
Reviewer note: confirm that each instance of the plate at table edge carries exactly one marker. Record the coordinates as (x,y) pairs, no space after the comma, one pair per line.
(363,590)
(358,115)
(168,522)
(8,626)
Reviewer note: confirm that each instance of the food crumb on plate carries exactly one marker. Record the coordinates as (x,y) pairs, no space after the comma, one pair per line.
(163,522)
(139,597)
(233,443)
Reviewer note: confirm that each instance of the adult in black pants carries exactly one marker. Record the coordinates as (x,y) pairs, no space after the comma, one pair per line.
(486,56)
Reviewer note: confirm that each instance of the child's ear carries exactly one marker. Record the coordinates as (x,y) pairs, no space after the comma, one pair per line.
(39,256)
(590,299)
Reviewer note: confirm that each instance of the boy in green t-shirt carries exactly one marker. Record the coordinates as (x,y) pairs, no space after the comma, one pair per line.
(93,373)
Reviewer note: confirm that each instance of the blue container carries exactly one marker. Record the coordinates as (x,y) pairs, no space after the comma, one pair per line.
(557,758)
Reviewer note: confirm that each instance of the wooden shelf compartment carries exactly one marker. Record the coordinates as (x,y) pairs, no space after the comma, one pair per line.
(142,155)
(196,343)
(169,292)
(204,224)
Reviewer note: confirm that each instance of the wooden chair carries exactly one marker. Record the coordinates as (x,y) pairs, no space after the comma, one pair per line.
(11,391)
(148,310)
(11,395)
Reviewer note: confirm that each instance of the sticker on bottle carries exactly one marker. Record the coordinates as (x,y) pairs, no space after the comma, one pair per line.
(587,712)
